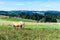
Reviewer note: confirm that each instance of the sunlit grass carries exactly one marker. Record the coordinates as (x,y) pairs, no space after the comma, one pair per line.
(31,30)
(33,34)
(8,24)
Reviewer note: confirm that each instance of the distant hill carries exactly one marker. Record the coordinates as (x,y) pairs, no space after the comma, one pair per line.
(29,12)
(54,12)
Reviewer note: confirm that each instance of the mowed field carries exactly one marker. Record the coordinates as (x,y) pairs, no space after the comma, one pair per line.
(31,31)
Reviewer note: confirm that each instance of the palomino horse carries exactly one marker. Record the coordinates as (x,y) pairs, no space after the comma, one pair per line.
(18,24)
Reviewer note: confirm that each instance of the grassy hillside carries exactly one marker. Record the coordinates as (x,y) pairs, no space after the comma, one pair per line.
(31,31)
(15,19)
(6,22)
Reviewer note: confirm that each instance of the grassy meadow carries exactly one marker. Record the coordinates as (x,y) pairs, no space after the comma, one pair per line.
(31,31)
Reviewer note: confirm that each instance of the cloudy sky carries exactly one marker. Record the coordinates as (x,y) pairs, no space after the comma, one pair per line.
(30,5)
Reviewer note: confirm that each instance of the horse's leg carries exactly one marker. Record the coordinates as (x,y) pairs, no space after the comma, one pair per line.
(21,26)
(14,26)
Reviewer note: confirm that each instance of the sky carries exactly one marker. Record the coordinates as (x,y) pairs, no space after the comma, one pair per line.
(40,5)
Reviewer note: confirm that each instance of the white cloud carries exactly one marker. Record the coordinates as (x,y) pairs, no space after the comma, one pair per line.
(46,4)
(19,4)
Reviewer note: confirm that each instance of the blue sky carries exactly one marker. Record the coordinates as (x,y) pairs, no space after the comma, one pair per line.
(41,5)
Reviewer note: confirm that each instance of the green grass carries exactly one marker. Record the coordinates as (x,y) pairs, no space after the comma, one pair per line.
(58,20)
(40,25)
(15,19)
(8,24)
(43,25)
(31,31)
(33,34)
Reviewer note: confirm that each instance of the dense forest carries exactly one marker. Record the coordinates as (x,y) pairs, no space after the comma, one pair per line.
(48,16)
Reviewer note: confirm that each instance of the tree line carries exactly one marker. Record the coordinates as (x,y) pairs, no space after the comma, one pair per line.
(47,17)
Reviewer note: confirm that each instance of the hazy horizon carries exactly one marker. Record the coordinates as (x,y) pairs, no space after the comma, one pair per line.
(36,5)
